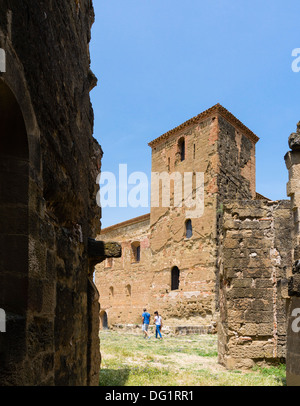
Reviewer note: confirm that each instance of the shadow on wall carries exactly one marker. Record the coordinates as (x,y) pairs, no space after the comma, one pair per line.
(14,183)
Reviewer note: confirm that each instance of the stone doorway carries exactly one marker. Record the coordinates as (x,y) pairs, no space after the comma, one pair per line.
(14,182)
(14,197)
(103,320)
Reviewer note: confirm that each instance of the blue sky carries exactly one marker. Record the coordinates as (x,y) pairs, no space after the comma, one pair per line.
(161,62)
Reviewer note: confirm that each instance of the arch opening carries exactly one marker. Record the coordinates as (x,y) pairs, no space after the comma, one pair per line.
(14,184)
(181,148)
(103,320)
(128,290)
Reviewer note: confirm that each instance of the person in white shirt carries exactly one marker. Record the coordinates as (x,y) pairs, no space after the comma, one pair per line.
(158,324)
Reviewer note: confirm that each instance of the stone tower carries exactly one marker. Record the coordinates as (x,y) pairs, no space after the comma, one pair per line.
(203,161)
(213,155)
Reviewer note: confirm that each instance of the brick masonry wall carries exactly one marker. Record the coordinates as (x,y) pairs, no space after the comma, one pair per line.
(256,250)
(236,175)
(194,301)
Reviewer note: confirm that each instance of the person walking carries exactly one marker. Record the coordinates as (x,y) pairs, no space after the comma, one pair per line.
(146,321)
(158,324)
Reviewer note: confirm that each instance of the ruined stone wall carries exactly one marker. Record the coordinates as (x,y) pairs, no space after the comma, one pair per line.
(236,174)
(292,281)
(256,250)
(45,277)
(237,162)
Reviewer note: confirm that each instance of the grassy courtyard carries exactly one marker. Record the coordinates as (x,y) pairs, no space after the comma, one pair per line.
(131,360)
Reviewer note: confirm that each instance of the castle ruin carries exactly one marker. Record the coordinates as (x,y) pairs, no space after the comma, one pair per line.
(49,162)
(221,271)
(233,268)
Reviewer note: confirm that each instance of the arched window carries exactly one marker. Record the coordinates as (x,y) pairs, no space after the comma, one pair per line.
(175,273)
(128,290)
(188,228)
(111,292)
(14,233)
(181,148)
(103,320)
(14,212)
(136,251)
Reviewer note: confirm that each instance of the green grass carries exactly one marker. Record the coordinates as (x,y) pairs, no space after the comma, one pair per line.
(131,360)
(278,372)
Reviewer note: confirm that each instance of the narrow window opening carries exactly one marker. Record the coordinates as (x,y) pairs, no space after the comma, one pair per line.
(181,147)
(103,320)
(136,251)
(175,273)
(188,228)
(128,290)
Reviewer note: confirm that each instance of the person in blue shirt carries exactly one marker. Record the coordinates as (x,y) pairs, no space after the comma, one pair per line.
(146,322)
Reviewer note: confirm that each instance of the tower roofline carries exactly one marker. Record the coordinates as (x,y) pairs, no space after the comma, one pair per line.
(216,109)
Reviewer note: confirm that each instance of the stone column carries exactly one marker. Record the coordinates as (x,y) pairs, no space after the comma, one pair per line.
(292,160)
(255,253)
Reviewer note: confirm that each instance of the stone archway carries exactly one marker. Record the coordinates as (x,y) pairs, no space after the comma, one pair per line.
(14,235)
